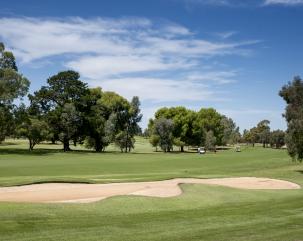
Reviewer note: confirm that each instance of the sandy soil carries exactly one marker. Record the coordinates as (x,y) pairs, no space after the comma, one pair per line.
(86,193)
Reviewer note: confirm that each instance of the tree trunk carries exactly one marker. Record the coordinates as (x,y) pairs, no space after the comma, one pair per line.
(66,145)
(98,146)
(31,145)
(182,148)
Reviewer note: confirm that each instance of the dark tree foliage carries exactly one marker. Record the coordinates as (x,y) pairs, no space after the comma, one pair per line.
(61,102)
(13,85)
(277,139)
(292,93)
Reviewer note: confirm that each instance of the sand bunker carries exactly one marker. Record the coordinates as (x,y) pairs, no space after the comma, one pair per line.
(86,193)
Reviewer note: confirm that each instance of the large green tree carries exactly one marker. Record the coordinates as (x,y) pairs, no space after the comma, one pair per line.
(208,120)
(13,85)
(183,124)
(292,93)
(61,101)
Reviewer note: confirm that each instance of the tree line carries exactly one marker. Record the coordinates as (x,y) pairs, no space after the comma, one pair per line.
(65,110)
(179,126)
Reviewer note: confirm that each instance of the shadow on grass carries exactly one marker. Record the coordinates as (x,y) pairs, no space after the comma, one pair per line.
(300,171)
(39,152)
(53,181)
(8,144)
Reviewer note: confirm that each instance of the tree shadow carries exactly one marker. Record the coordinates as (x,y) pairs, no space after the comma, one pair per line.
(37,152)
(40,151)
(8,144)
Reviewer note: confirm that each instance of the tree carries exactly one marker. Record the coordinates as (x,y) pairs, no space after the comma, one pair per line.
(30,125)
(208,120)
(155,141)
(263,132)
(124,141)
(163,128)
(34,130)
(6,122)
(12,86)
(62,101)
(132,118)
(292,93)
(210,141)
(251,136)
(183,124)
(231,134)
(277,139)
(95,121)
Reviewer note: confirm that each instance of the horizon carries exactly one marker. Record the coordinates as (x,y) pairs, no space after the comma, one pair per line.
(231,55)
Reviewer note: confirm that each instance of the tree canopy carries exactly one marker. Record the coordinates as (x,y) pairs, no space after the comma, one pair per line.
(292,93)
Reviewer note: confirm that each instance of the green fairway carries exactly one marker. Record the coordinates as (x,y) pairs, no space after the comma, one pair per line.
(202,213)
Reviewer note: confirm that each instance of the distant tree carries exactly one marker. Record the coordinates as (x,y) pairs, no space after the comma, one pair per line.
(277,139)
(251,136)
(163,128)
(146,133)
(34,130)
(292,93)
(210,141)
(263,132)
(62,101)
(155,141)
(231,134)
(132,119)
(124,141)
(6,122)
(30,126)
(208,120)
(183,124)
(178,142)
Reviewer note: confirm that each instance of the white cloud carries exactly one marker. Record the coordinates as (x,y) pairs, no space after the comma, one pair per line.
(157,89)
(219,77)
(226,34)
(159,61)
(283,2)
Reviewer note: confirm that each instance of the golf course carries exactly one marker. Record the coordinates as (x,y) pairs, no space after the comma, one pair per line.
(162,120)
(201,212)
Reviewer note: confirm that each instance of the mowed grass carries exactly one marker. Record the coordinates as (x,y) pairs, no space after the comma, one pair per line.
(202,212)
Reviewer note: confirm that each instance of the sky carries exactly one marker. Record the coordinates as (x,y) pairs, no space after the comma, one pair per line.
(232,55)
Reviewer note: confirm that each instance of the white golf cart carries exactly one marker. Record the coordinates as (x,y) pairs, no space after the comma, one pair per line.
(201,150)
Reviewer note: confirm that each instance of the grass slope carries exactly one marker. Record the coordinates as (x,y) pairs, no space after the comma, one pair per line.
(201,213)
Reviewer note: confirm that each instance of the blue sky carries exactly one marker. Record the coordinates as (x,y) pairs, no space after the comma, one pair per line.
(228,54)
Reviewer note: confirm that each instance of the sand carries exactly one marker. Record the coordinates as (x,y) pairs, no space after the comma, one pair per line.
(87,193)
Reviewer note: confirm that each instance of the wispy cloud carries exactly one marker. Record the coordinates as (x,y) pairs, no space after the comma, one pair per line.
(224,3)
(159,61)
(245,3)
(226,34)
(284,2)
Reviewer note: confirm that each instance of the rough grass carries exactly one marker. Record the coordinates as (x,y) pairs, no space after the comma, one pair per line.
(201,213)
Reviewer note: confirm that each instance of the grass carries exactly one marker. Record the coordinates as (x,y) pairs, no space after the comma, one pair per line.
(202,213)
